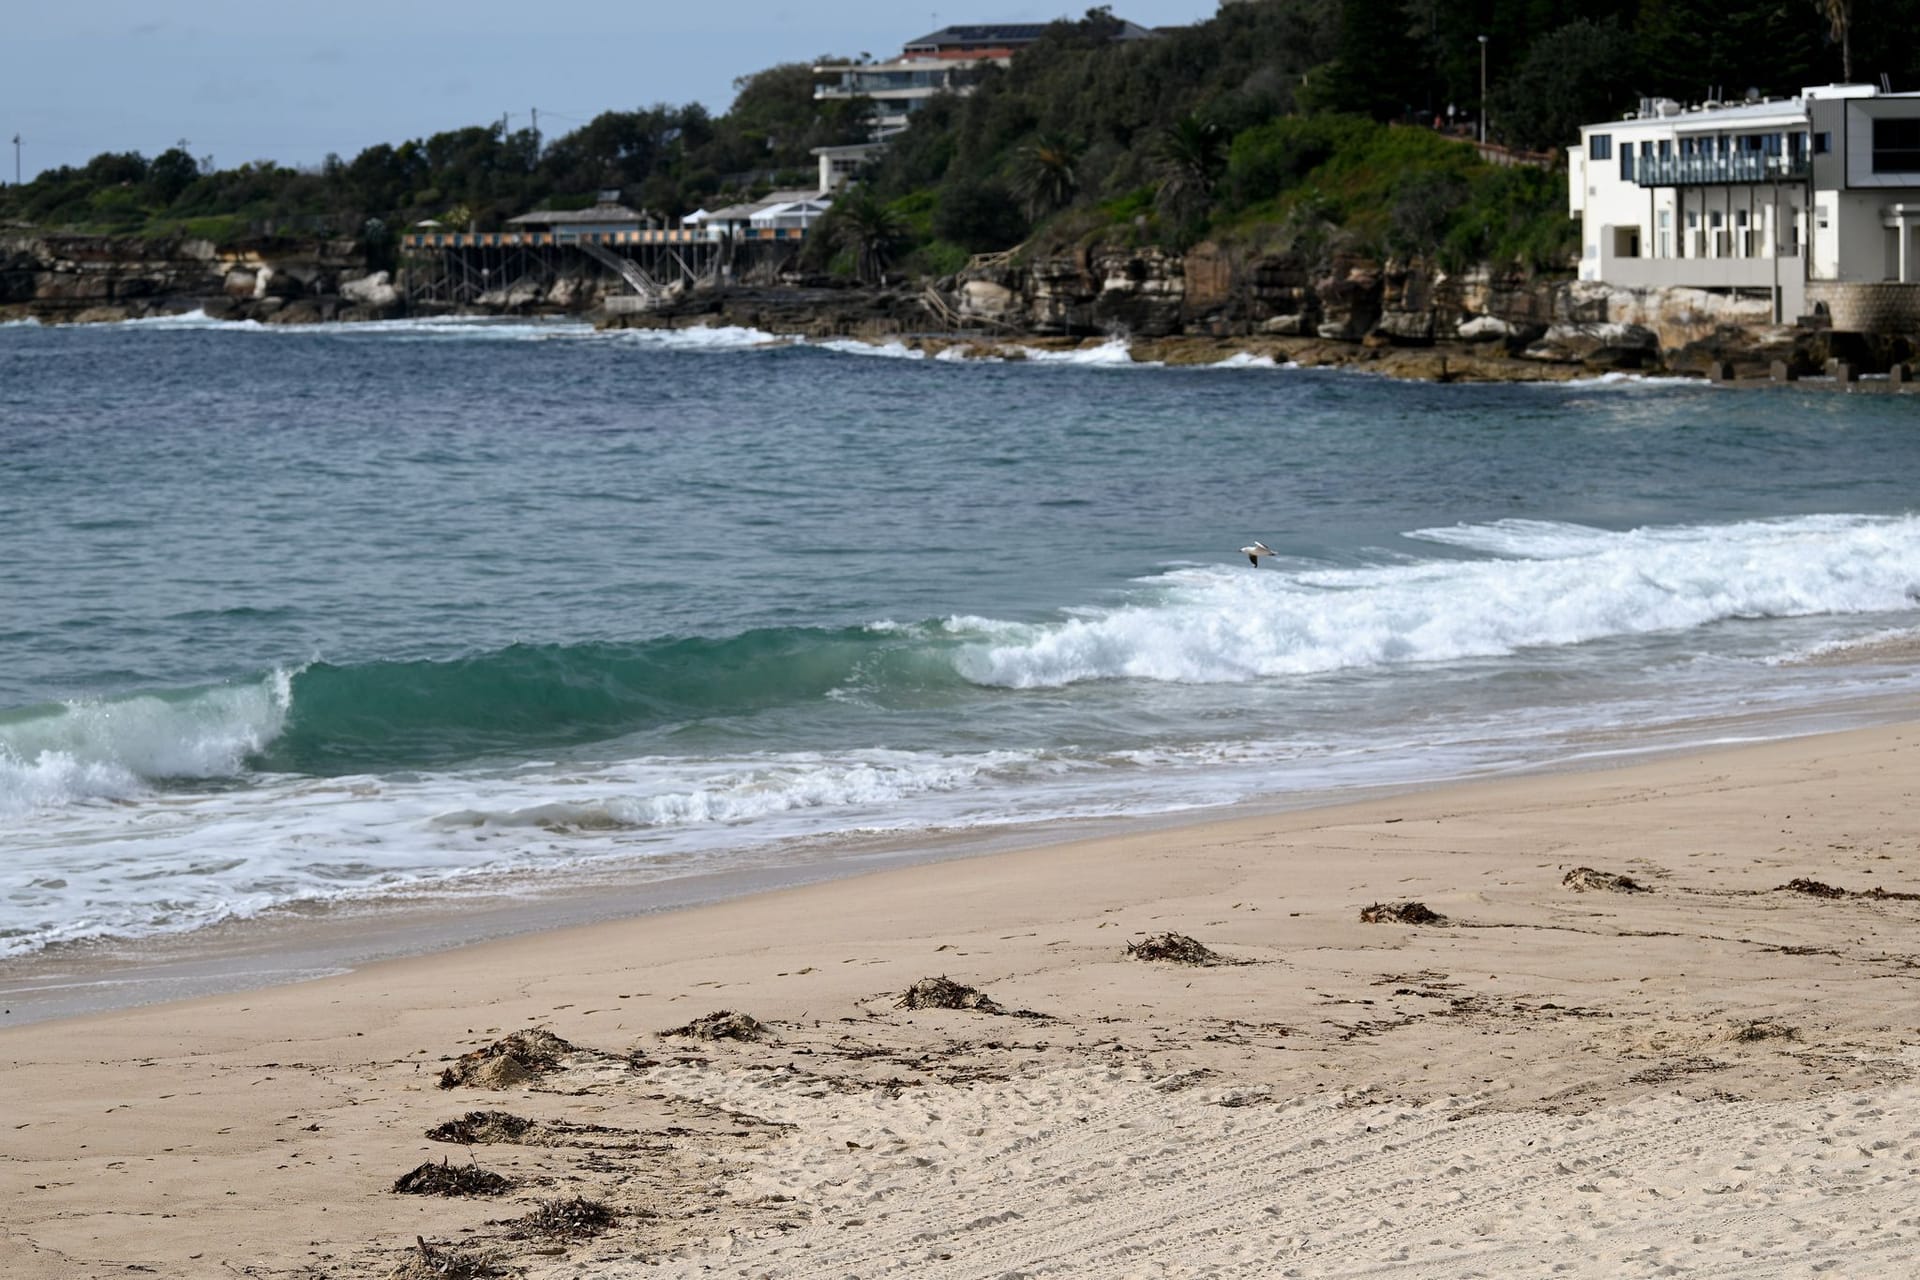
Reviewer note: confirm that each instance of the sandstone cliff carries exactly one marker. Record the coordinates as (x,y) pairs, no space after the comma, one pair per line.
(60,279)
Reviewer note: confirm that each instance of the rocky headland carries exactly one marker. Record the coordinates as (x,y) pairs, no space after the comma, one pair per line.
(1402,318)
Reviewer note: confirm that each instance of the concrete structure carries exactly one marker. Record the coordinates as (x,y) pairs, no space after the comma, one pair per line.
(1809,200)
(841,165)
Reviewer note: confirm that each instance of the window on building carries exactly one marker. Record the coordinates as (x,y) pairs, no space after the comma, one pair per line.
(1600,146)
(1822,143)
(1666,149)
(1896,146)
(1772,143)
(1626,164)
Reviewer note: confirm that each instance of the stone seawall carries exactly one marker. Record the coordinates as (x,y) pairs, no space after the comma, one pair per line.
(1868,308)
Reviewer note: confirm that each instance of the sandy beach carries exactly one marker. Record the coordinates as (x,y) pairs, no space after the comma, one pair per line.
(1711,1076)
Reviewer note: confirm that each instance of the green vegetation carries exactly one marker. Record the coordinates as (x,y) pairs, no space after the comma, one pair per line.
(666,159)
(1297,125)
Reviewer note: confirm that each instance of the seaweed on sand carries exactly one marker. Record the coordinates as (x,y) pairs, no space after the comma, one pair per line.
(445,1179)
(1177,948)
(1812,888)
(577,1218)
(510,1060)
(1587,879)
(723,1024)
(1400,913)
(944,993)
(429,1263)
(482,1126)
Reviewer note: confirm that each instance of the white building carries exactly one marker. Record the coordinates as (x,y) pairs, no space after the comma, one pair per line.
(943,61)
(1814,200)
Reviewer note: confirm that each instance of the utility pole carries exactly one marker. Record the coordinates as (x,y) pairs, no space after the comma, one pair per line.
(536,135)
(1483,90)
(16,159)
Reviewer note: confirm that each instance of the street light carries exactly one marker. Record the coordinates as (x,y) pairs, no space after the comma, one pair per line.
(1483,89)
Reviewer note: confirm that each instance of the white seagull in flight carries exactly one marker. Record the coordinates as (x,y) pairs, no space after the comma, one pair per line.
(1254,552)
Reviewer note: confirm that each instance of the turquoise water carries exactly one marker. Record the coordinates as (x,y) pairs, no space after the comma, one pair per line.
(310,615)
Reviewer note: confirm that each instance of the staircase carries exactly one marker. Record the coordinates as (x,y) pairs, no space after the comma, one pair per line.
(643,284)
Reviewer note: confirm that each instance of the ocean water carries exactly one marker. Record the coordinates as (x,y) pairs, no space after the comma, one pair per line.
(321,616)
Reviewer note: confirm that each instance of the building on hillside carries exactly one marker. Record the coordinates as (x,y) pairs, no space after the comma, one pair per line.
(784,214)
(841,165)
(607,217)
(1813,200)
(944,61)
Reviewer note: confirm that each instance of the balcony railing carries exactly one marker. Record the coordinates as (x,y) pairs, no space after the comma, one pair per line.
(1696,171)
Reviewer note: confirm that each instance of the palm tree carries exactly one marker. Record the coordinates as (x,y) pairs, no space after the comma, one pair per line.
(1839,16)
(1046,174)
(868,230)
(1189,156)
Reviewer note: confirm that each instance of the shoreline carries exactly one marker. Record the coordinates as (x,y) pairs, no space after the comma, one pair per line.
(1372,1094)
(1439,361)
(309,941)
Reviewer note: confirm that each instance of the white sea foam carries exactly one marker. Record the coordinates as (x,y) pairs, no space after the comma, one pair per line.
(195,319)
(1897,643)
(895,350)
(112,749)
(1244,360)
(702,338)
(1573,585)
(741,791)
(1114,353)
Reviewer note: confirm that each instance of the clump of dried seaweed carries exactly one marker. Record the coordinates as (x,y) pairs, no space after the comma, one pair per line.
(510,1060)
(445,1179)
(1589,880)
(429,1263)
(482,1126)
(1758,1029)
(944,993)
(1176,948)
(577,1218)
(1815,889)
(1812,888)
(1400,913)
(723,1024)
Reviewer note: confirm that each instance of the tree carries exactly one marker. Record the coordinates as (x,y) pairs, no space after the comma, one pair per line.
(1570,77)
(866,229)
(1189,155)
(1046,174)
(1839,16)
(1377,71)
(171,173)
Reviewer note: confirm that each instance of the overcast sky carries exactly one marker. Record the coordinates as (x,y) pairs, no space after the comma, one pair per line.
(250,81)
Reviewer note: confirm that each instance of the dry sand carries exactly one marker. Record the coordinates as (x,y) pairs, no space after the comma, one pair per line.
(1713,1077)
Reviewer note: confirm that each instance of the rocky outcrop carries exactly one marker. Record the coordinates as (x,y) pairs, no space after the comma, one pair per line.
(76,279)
(1480,317)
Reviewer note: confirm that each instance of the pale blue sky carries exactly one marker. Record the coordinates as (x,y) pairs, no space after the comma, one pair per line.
(247,81)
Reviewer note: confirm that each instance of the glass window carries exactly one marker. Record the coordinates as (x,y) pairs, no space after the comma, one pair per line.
(1822,143)
(1626,164)
(1666,149)
(1896,146)
(1600,146)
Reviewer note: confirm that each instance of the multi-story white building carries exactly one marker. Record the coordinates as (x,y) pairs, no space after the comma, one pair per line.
(1814,200)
